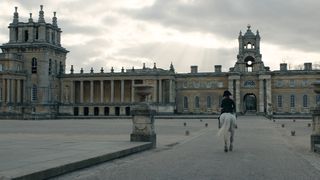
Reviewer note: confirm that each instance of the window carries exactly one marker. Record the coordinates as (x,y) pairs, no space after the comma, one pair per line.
(34,66)
(197,102)
(292,101)
(34,93)
(60,68)
(318,99)
(304,83)
(291,83)
(37,33)
(0,94)
(305,101)
(26,36)
(1,67)
(279,101)
(279,83)
(185,102)
(50,67)
(208,101)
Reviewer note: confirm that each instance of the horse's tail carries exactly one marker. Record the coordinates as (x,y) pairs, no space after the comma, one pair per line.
(225,126)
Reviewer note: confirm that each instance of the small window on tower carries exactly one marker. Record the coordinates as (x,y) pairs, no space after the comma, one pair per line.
(34,66)
(249,46)
(26,35)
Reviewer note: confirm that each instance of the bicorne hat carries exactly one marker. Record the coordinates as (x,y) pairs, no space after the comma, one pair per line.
(226,93)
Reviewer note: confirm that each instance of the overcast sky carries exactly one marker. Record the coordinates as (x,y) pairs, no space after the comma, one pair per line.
(126,33)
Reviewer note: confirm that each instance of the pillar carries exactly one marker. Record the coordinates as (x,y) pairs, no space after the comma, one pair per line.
(18,91)
(122,90)
(91,91)
(160,91)
(171,91)
(132,91)
(8,90)
(81,91)
(72,90)
(112,91)
(238,98)
(261,97)
(101,91)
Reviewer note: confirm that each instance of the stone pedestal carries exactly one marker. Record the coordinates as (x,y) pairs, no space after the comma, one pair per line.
(143,124)
(315,136)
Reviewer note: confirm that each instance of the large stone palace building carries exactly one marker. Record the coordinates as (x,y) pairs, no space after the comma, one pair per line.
(33,81)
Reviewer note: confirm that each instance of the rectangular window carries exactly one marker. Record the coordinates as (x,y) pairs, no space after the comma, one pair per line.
(26,35)
(197,102)
(209,102)
(305,101)
(185,102)
(1,67)
(279,101)
(318,99)
(0,94)
(292,101)
(50,66)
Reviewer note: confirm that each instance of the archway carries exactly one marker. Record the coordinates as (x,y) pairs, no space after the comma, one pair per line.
(249,103)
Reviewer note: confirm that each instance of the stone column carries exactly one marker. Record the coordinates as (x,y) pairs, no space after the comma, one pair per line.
(261,96)
(132,91)
(91,91)
(8,90)
(18,91)
(122,91)
(238,98)
(160,90)
(101,91)
(269,98)
(236,93)
(112,91)
(81,91)
(72,90)
(171,91)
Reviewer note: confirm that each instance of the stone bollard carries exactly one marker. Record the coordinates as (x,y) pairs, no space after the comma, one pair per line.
(206,124)
(184,124)
(315,136)
(282,125)
(293,133)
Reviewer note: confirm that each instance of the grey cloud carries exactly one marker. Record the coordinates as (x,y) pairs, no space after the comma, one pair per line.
(278,21)
(182,56)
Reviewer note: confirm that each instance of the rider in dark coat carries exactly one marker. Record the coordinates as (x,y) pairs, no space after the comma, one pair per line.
(227,104)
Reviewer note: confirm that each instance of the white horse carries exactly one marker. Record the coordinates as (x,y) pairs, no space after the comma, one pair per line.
(228,125)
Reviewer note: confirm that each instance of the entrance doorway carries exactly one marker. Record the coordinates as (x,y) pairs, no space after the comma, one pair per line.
(249,103)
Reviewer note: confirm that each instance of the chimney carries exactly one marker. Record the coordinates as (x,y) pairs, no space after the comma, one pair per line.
(194,69)
(283,67)
(308,66)
(217,68)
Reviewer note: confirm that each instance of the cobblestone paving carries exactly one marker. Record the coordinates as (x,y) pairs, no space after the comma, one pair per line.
(262,150)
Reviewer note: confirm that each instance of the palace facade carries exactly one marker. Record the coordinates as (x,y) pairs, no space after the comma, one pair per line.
(34,81)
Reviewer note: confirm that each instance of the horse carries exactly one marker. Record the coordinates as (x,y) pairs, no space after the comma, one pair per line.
(228,125)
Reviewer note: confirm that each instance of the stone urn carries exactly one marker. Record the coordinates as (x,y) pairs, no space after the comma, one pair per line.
(315,136)
(143,117)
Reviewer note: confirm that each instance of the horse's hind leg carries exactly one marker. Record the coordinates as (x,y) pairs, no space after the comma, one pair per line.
(225,143)
(231,141)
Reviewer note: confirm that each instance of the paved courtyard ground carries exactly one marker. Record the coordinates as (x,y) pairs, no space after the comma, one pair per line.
(263,149)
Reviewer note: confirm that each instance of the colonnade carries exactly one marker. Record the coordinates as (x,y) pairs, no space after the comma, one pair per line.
(114,91)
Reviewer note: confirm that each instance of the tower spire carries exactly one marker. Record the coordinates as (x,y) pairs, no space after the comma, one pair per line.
(54,20)
(41,15)
(16,15)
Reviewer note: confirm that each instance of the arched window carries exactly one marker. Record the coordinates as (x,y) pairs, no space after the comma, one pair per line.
(34,93)
(185,102)
(292,101)
(249,46)
(209,102)
(279,101)
(305,101)
(197,102)
(34,66)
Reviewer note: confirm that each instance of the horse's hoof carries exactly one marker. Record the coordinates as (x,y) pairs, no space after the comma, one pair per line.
(225,149)
(230,148)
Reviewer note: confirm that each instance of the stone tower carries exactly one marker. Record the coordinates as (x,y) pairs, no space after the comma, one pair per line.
(41,60)
(249,57)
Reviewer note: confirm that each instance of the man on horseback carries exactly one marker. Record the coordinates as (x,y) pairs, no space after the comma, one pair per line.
(227,120)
